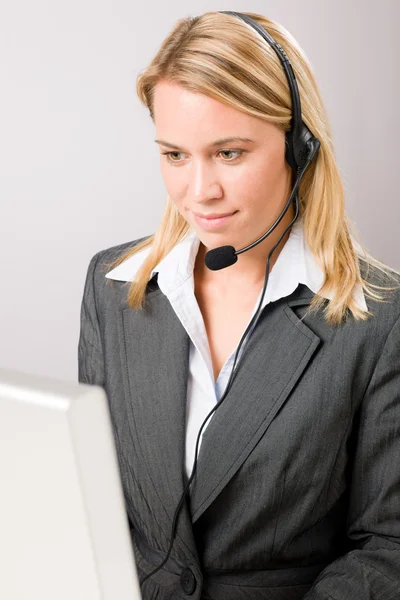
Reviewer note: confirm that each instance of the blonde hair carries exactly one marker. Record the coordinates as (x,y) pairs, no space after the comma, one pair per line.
(226,59)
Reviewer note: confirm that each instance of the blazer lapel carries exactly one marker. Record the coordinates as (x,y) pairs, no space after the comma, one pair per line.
(276,355)
(155,351)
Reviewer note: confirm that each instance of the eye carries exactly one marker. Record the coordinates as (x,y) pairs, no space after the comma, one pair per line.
(169,154)
(239,152)
(172,160)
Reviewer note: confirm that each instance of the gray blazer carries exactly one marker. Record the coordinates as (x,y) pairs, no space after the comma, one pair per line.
(297,492)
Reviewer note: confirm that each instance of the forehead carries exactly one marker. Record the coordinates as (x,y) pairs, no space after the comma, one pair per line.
(177,109)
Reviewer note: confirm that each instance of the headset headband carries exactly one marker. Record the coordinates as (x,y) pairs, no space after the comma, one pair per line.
(299,139)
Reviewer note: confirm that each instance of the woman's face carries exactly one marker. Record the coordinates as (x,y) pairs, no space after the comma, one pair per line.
(205,175)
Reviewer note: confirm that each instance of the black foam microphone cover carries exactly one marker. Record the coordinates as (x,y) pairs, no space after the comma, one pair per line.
(221,257)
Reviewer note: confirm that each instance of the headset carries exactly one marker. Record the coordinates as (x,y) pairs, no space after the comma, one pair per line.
(301,147)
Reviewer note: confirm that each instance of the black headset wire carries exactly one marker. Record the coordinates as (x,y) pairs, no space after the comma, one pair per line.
(254,319)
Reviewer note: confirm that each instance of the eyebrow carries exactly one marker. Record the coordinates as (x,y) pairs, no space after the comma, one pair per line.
(212,145)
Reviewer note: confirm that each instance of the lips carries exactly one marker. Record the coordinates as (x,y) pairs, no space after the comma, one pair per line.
(215,222)
(213,215)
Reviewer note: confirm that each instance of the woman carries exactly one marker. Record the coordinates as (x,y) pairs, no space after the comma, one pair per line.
(293,491)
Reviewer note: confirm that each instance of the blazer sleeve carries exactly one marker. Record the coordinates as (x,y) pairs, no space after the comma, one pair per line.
(90,352)
(371,568)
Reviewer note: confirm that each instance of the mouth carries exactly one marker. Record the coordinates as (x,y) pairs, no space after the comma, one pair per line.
(213,221)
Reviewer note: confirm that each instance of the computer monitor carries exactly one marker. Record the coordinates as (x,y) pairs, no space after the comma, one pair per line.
(64,530)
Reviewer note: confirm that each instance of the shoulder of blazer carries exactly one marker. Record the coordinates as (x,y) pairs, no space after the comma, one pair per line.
(383,314)
(100,265)
(108,255)
(389,309)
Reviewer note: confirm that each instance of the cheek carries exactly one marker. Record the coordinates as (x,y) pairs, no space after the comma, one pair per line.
(253,184)
(269,179)
(174,183)
(262,189)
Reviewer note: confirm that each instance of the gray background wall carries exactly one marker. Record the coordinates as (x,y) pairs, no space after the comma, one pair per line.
(79,169)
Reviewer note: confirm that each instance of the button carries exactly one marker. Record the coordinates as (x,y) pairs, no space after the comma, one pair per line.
(188,581)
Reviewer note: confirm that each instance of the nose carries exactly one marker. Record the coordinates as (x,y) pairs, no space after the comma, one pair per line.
(204,184)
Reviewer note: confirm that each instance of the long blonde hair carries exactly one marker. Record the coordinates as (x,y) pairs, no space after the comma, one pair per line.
(224,58)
